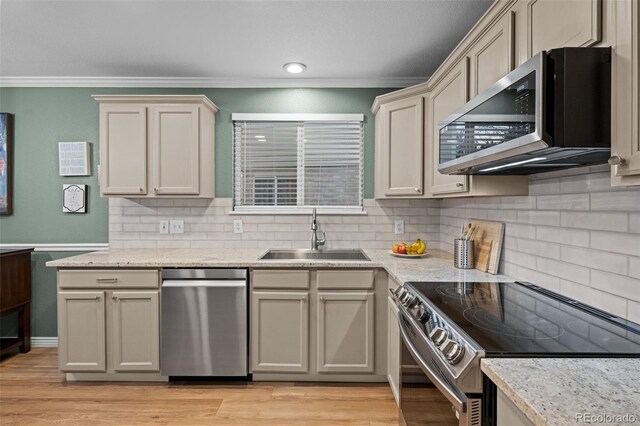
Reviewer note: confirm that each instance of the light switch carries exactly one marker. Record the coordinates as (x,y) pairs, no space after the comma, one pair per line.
(398,226)
(176,226)
(237,226)
(164,226)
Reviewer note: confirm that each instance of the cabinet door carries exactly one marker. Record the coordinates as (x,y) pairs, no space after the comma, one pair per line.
(448,95)
(175,144)
(123,149)
(393,351)
(345,332)
(81,331)
(280,331)
(134,342)
(562,23)
(402,147)
(491,58)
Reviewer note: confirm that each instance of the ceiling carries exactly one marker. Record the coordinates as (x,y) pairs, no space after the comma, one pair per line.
(241,43)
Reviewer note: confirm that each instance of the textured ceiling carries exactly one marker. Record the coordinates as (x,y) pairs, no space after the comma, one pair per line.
(241,40)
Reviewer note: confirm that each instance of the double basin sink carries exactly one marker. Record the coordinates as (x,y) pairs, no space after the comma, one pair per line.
(303,254)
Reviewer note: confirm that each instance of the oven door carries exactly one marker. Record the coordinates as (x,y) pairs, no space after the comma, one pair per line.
(426,396)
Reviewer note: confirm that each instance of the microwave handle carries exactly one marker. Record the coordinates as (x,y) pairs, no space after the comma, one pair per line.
(458,403)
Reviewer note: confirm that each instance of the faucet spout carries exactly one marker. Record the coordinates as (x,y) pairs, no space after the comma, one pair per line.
(315,241)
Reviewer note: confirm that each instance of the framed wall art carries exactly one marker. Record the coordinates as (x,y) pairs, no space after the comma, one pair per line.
(74,198)
(6,163)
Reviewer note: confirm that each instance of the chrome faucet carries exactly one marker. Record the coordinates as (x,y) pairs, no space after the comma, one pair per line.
(315,242)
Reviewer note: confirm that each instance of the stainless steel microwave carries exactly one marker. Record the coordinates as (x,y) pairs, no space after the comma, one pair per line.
(552,112)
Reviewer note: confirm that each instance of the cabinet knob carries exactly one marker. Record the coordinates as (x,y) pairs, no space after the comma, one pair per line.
(140,189)
(459,185)
(155,189)
(616,160)
(97,297)
(323,299)
(304,299)
(114,297)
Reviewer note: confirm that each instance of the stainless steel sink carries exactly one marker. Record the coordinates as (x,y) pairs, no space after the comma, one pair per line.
(303,254)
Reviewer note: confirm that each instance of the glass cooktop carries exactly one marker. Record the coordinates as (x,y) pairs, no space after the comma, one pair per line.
(520,319)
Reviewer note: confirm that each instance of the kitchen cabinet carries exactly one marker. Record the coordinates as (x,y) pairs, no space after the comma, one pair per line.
(157,146)
(508,414)
(346,332)
(108,321)
(562,23)
(399,147)
(318,324)
(492,56)
(280,331)
(393,350)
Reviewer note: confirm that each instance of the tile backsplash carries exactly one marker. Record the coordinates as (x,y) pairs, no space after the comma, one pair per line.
(573,234)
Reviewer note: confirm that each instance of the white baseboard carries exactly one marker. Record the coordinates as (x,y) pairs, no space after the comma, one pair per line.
(44,342)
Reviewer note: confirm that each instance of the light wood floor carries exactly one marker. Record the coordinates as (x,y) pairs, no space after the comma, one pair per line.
(32,392)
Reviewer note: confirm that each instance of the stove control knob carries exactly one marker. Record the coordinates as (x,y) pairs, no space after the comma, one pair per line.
(423,314)
(453,351)
(409,300)
(400,292)
(438,335)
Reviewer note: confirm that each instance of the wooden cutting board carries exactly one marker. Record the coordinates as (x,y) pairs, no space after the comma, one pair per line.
(487,244)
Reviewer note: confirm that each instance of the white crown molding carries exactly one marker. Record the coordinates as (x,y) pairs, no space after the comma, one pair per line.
(204,82)
(59,247)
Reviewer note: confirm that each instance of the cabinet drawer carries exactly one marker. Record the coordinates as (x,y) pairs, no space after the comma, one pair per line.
(108,278)
(295,279)
(346,279)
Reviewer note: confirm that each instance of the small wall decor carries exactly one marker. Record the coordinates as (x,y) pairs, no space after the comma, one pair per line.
(74,158)
(6,164)
(74,198)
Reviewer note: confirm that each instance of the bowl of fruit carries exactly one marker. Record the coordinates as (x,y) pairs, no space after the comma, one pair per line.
(417,249)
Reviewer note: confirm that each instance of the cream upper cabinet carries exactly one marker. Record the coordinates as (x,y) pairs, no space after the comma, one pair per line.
(562,23)
(446,96)
(157,146)
(492,56)
(399,144)
(280,331)
(345,332)
(123,150)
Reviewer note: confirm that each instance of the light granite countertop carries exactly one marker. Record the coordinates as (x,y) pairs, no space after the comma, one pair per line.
(437,266)
(557,391)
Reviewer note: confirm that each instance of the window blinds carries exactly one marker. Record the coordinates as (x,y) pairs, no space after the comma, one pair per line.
(295,165)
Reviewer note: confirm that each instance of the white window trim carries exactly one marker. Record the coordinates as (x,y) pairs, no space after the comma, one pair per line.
(300,210)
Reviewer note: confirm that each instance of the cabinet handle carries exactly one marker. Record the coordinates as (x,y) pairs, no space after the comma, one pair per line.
(616,160)
(106,280)
(459,185)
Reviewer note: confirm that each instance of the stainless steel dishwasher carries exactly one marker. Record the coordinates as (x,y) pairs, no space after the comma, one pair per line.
(204,322)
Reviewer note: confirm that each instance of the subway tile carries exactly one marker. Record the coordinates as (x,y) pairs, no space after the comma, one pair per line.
(634,267)
(519,202)
(573,237)
(605,301)
(173,244)
(595,259)
(574,290)
(207,244)
(563,202)
(520,231)
(205,227)
(275,227)
(136,244)
(535,217)
(634,222)
(173,211)
(597,221)
(616,284)
(592,182)
(547,186)
(563,270)
(239,244)
(502,215)
(616,242)
(519,258)
(618,201)
(633,311)
(535,277)
(538,248)
(139,211)
(139,227)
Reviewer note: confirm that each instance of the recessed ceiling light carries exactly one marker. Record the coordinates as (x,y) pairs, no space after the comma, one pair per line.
(294,67)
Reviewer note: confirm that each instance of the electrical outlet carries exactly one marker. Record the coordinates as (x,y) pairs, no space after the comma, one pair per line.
(176,226)
(237,226)
(164,226)
(398,226)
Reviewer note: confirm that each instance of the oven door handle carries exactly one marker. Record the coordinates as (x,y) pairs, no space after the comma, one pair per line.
(458,403)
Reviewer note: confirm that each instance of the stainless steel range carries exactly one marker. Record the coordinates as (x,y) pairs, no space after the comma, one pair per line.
(447,328)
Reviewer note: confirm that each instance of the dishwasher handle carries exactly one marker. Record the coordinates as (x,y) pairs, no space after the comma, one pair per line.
(204,283)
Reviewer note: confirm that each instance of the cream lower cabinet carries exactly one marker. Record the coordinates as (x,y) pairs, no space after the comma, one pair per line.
(324,325)
(393,350)
(280,331)
(155,146)
(346,332)
(108,321)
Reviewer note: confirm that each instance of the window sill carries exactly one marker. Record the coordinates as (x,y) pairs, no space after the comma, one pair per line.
(324,212)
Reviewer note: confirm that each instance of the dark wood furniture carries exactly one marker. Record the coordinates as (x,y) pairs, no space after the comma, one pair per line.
(15,295)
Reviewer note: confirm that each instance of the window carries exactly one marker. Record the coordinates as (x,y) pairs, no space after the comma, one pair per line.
(292,162)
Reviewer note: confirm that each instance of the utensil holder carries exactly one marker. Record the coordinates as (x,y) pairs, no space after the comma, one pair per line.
(463,254)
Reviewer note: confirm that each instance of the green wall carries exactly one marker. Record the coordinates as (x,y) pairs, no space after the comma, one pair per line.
(45,116)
